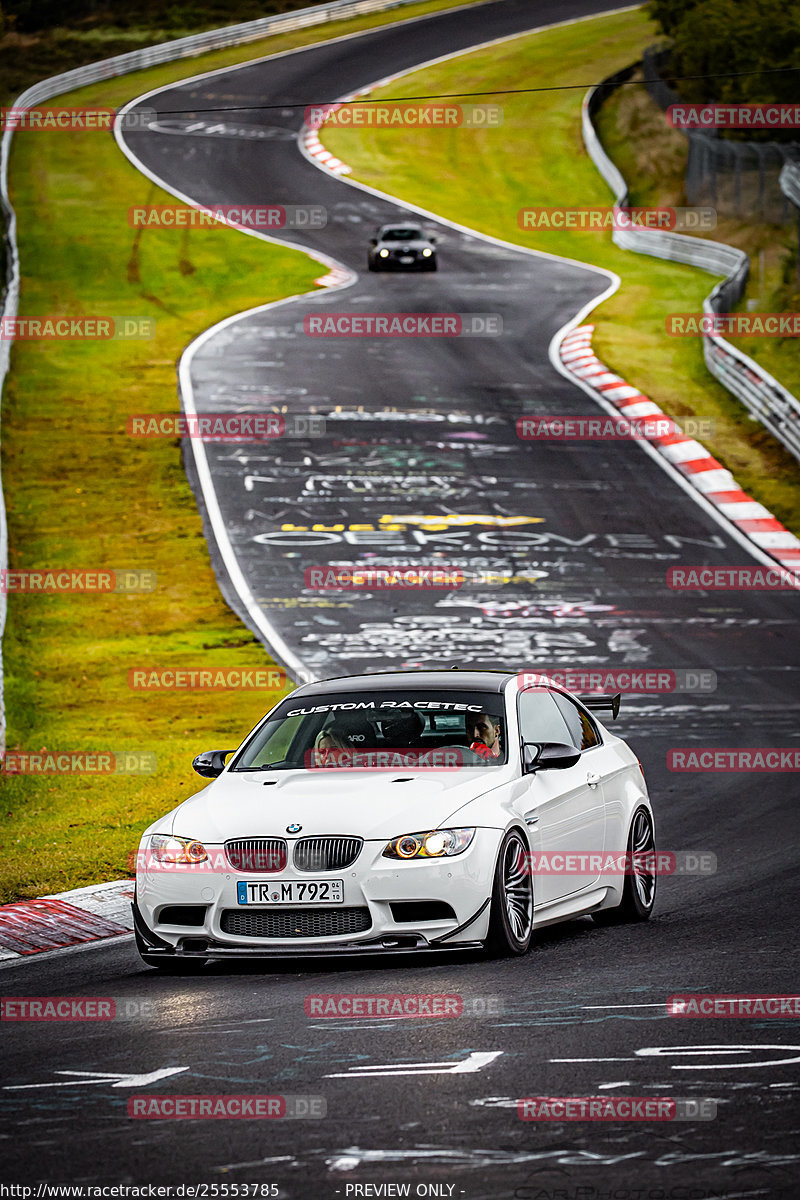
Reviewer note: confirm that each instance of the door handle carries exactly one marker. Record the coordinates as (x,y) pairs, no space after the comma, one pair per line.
(592,780)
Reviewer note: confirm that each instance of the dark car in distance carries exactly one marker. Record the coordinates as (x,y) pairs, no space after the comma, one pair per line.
(402,248)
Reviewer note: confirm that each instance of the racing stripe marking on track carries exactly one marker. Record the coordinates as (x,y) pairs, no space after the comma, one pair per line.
(476,1060)
(685,453)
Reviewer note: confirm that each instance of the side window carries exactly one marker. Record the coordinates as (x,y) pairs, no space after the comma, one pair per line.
(540,719)
(582,728)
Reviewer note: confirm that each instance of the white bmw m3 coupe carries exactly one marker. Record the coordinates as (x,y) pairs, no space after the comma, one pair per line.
(412,811)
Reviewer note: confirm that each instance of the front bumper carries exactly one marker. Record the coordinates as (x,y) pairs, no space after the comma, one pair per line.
(197,947)
(394,264)
(372,884)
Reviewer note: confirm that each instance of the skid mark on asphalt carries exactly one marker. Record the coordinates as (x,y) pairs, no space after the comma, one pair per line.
(353,1157)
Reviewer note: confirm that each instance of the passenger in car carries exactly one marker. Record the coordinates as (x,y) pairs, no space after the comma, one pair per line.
(327,743)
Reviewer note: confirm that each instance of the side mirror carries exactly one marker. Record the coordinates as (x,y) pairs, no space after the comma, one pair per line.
(432,241)
(373,241)
(211,763)
(548,756)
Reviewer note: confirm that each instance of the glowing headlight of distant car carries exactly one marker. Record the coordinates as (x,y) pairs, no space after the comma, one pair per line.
(383,253)
(426,253)
(436,843)
(168,849)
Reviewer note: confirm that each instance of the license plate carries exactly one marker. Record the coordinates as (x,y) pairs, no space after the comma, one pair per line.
(291,891)
(407,258)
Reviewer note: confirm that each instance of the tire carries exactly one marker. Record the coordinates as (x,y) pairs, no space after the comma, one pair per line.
(168,965)
(511,913)
(639,889)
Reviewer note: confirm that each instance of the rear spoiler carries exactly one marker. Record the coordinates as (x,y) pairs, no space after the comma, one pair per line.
(601,702)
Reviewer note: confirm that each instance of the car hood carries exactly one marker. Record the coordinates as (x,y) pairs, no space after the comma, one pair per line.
(355,803)
(413,243)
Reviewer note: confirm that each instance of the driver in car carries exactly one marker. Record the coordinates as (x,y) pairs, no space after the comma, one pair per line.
(485,733)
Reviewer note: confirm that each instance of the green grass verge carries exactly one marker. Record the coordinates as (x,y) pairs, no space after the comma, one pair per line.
(652,157)
(81,493)
(482,178)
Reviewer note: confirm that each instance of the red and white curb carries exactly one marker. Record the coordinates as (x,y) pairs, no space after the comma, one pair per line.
(86,914)
(310,140)
(685,453)
(335,277)
(314,147)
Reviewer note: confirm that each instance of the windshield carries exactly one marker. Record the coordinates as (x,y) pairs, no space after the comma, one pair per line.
(401,235)
(382,730)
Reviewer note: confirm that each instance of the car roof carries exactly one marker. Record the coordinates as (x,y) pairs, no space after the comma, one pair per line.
(401,225)
(453,680)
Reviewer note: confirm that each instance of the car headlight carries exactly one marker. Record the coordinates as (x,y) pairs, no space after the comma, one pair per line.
(426,253)
(383,253)
(436,843)
(168,849)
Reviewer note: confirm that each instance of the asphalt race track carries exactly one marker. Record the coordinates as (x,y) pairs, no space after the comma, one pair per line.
(425,430)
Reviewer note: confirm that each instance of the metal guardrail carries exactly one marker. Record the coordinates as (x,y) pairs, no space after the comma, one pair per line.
(767,400)
(109,68)
(790,182)
(200,43)
(739,177)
